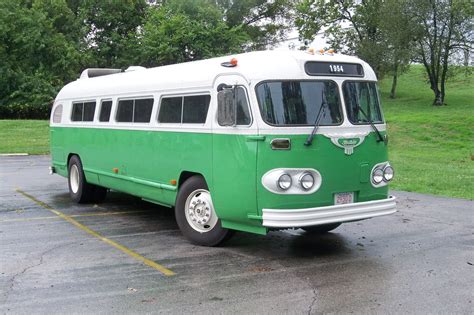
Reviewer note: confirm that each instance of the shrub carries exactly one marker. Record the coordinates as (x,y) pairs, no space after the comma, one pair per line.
(25,111)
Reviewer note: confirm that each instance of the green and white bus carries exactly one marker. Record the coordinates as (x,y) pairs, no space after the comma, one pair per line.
(254,142)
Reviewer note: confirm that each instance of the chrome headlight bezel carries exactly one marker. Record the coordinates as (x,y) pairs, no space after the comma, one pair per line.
(390,171)
(379,171)
(306,181)
(284,181)
(377,176)
(270,181)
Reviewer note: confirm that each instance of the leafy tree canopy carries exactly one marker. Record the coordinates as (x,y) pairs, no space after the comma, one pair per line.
(46,43)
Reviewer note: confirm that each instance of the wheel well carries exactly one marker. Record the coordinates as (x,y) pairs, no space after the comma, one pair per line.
(69,157)
(185,175)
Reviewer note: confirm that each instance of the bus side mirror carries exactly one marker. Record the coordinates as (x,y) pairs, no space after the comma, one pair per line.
(226,107)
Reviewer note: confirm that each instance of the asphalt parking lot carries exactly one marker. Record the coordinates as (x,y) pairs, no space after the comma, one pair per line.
(128,256)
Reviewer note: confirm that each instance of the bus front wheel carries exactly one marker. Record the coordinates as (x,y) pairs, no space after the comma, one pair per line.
(196,216)
(79,190)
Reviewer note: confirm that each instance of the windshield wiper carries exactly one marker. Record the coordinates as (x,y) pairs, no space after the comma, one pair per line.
(322,109)
(380,137)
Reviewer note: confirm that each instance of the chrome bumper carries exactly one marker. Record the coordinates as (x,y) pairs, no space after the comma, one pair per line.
(285,218)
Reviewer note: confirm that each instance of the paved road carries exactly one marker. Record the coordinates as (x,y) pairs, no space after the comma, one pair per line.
(420,260)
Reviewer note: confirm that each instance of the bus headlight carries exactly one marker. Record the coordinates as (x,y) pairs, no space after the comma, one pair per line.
(284,181)
(388,173)
(377,176)
(306,181)
(292,181)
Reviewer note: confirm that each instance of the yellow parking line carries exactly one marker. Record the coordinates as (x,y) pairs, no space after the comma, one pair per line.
(72,216)
(124,249)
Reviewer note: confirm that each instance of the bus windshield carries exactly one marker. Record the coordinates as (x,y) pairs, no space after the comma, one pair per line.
(293,103)
(362,102)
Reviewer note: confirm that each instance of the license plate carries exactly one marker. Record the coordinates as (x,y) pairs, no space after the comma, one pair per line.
(343,198)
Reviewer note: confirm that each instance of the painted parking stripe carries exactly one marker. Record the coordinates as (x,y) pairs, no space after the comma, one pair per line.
(146,261)
(72,216)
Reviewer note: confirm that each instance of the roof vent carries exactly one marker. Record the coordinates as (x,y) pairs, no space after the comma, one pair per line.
(97,72)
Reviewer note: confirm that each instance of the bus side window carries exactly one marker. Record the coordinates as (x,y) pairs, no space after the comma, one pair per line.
(77,110)
(124,111)
(105,109)
(89,110)
(142,110)
(243,114)
(83,111)
(58,113)
(170,110)
(195,109)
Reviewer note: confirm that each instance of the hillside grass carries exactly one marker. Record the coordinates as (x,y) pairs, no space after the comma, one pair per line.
(24,136)
(431,147)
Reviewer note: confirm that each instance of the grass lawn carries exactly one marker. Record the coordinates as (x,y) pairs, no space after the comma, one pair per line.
(24,136)
(431,148)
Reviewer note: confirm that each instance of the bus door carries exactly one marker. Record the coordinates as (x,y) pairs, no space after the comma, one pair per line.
(234,162)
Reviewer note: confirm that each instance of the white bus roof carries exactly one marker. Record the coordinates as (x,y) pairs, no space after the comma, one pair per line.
(254,66)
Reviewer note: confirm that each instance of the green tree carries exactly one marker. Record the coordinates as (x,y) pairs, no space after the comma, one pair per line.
(399,32)
(108,28)
(353,27)
(36,57)
(179,31)
(265,22)
(371,29)
(445,28)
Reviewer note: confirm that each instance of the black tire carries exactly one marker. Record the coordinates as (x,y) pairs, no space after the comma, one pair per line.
(79,190)
(321,229)
(82,192)
(213,237)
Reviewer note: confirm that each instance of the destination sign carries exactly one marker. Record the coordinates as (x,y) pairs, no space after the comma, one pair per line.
(334,68)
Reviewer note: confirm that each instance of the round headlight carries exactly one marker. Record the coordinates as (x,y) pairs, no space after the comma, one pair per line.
(307,181)
(377,176)
(388,173)
(284,181)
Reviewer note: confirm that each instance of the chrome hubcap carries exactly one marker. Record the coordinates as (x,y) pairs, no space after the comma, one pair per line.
(74,178)
(199,211)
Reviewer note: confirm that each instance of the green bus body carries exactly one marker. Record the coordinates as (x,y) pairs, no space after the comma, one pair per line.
(146,161)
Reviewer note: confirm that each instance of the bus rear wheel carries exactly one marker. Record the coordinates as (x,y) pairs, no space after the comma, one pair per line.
(321,229)
(79,190)
(196,216)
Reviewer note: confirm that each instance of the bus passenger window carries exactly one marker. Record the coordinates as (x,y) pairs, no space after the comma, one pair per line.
(195,109)
(77,109)
(170,110)
(142,110)
(105,111)
(89,109)
(243,114)
(83,111)
(125,111)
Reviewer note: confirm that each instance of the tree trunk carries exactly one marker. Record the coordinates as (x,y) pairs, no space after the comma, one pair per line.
(438,101)
(394,81)
(394,85)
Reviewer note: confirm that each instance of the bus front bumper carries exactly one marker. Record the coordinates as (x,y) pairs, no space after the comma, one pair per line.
(287,218)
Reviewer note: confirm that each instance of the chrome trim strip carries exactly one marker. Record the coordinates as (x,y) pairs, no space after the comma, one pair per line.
(132,179)
(285,218)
